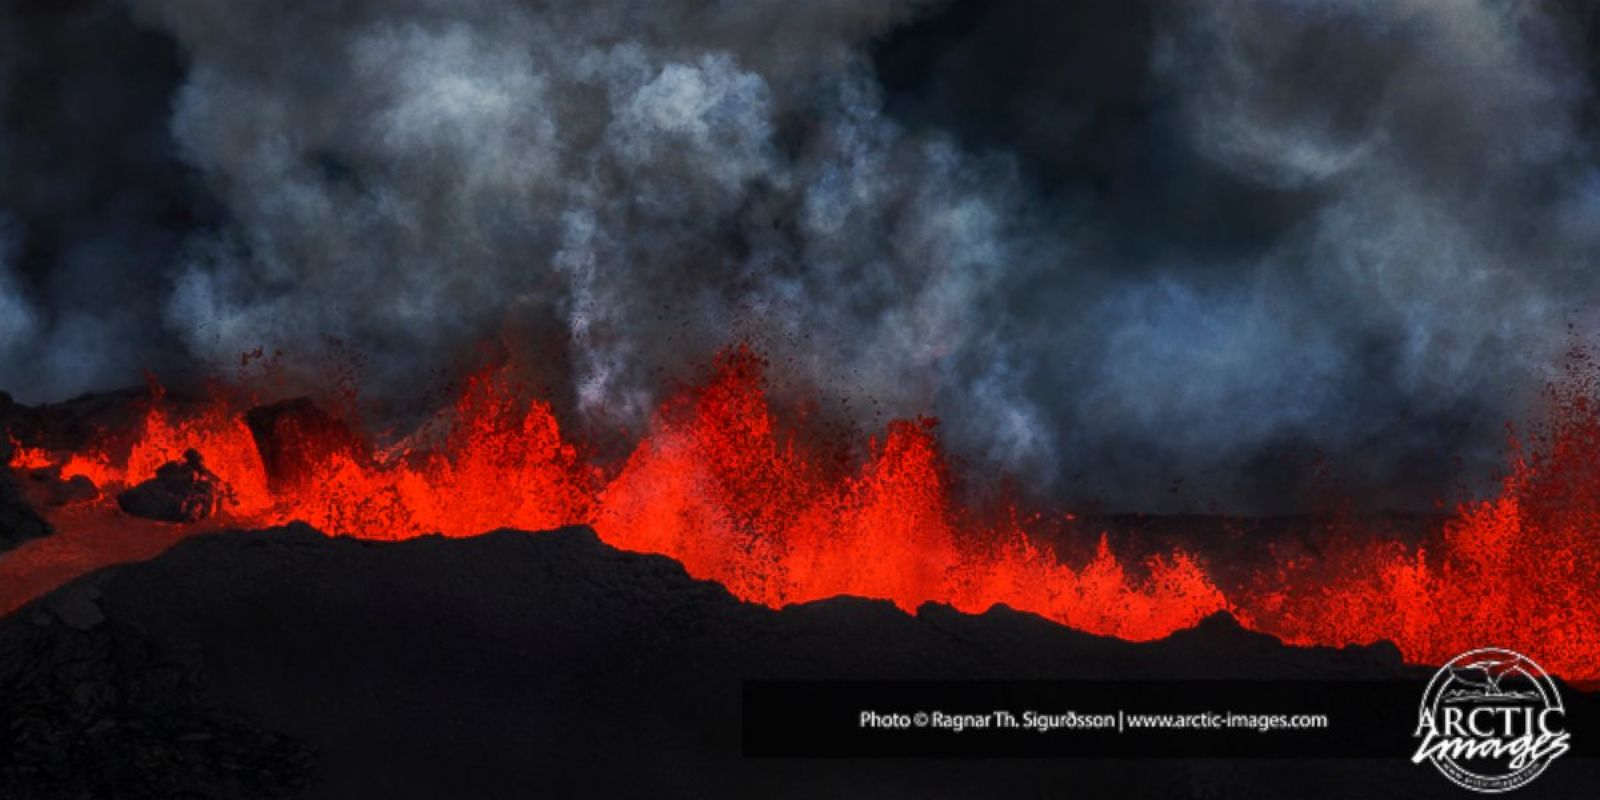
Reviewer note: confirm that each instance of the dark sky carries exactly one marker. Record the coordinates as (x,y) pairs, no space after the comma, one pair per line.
(1118,247)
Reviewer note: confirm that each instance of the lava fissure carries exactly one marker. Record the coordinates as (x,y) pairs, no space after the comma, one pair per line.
(720,487)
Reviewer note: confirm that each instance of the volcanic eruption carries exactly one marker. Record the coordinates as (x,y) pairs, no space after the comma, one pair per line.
(720,485)
(1124,315)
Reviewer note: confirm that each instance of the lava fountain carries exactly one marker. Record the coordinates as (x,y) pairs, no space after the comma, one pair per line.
(778,518)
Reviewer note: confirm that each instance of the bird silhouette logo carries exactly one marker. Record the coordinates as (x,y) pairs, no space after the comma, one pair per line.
(1491,679)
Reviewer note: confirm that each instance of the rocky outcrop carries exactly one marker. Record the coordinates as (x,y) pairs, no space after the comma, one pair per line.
(181,491)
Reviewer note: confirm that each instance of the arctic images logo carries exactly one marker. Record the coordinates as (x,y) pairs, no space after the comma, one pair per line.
(1491,720)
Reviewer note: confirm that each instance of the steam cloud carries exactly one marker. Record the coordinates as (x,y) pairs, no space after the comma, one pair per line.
(1193,243)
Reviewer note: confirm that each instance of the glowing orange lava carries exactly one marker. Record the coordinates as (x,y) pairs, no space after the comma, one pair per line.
(24,457)
(719,485)
(1520,570)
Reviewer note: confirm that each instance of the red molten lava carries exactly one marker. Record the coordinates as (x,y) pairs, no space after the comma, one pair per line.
(718,488)
(778,518)
(1521,570)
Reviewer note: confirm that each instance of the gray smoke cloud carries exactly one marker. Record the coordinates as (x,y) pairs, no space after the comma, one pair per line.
(93,214)
(662,183)
(1185,252)
(1432,282)
(16,316)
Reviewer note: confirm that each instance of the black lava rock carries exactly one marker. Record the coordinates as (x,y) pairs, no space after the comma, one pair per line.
(93,708)
(48,487)
(18,521)
(181,491)
(515,665)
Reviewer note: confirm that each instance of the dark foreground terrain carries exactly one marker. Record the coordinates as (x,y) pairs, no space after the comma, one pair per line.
(283,663)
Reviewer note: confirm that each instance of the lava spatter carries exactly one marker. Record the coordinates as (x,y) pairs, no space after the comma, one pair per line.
(722,486)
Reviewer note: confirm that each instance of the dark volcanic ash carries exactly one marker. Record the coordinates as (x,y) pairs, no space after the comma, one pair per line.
(1112,246)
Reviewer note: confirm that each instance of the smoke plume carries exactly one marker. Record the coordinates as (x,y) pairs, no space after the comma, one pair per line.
(1162,256)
